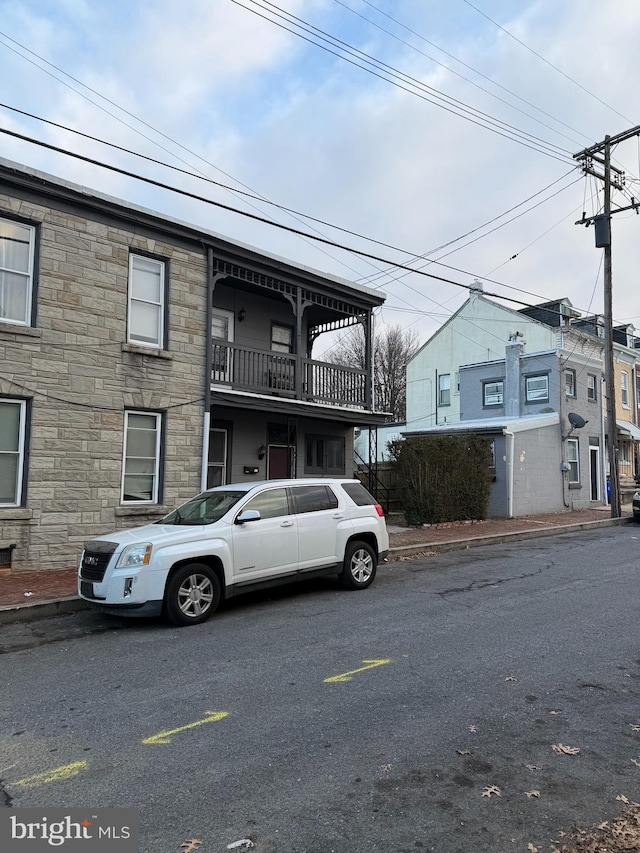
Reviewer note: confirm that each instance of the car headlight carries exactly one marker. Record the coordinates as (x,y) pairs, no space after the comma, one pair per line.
(135,555)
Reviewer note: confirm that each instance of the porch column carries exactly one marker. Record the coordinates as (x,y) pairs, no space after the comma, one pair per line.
(299,310)
(368,360)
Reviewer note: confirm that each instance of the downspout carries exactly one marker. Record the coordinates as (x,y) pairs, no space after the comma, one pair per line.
(206,420)
(510,477)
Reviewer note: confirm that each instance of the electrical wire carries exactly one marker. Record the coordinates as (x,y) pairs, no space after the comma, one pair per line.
(465,111)
(462,76)
(546,61)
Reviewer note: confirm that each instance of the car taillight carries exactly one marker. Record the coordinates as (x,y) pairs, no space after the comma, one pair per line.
(379,510)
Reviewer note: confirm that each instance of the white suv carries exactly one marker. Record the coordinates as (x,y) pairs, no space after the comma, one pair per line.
(234,539)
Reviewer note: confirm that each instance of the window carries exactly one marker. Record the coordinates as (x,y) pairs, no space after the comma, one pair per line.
(573,460)
(140,477)
(493,393)
(359,495)
(271,504)
(313,498)
(17,249)
(146,301)
(12,443)
(324,455)
(624,388)
(537,389)
(444,389)
(592,387)
(281,338)
(570,383)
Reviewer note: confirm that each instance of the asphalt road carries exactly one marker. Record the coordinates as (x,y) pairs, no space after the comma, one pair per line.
(460,673)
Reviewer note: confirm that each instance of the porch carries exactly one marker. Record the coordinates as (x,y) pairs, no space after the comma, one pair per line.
(241,368)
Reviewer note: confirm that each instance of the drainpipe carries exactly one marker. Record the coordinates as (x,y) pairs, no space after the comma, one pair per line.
(510,477)
(206,420)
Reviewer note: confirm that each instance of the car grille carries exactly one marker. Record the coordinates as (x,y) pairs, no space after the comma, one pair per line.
(96,559)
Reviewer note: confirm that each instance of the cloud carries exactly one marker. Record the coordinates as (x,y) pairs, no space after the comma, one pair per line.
(314,133)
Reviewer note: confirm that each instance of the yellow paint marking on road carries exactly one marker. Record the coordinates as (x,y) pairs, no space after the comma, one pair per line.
(165,737)
(68,771)
(346,676)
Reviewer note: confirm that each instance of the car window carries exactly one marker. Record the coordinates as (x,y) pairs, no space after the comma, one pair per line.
(270,504)
(358,494)
(313,498)
(203,509)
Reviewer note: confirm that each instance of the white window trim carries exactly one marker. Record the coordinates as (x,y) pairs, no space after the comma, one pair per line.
(130,299)
(624,389)
(543,399)
(500,393)
(594,398)
(28,275)
(570,374)
(442,390)
(573,442)
(156,473)
(21,448)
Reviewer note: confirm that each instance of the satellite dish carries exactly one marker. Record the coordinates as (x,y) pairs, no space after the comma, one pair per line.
(576,421)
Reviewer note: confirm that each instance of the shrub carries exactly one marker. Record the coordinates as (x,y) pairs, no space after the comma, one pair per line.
(443,478)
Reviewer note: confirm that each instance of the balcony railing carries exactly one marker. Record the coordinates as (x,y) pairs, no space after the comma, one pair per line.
(284,375)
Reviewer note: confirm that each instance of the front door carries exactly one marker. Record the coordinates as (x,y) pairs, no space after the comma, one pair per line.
(222,356)
(280,462)
(594,473)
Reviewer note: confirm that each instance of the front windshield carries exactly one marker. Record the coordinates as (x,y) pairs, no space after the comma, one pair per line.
(203,509)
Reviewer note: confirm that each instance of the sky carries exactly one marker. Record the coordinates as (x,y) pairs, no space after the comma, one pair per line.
(226,90)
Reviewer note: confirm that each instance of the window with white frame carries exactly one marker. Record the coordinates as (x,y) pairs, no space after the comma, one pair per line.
(12,449)
(17,249)
(570,383)
(573,460)
(444,389)
(537,389)
(493,393)
(146,301)
(592,387)
(624,388)
(141,468)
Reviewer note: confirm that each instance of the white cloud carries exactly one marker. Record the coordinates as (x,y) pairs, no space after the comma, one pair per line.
(315,134)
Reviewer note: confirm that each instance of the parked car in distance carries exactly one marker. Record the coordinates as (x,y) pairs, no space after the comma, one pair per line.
(636,506)
(234,539)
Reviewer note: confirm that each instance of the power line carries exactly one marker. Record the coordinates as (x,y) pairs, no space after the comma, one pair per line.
(546,61)
(462,111)
(457,73)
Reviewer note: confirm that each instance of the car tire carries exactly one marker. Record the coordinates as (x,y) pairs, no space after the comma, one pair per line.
(193,595)
(359,567)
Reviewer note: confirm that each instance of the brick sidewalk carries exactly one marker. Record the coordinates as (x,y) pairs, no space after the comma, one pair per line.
(29,588)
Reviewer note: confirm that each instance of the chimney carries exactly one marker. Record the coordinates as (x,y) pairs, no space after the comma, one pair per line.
(513,351)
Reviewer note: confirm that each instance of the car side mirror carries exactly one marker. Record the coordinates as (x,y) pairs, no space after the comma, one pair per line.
(247,515)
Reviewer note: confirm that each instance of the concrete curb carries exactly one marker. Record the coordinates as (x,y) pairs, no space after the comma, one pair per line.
(501,538)
(43,610)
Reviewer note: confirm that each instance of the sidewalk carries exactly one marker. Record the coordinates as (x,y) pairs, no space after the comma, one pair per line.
(31,595)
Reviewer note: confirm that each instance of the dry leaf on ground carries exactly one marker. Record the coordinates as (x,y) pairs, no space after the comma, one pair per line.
(512,678)
(468,752)
(473,728)
(561,749)
(531,848)
(635,761)
(531,794)
(634,727)
(623,799)
(532,767)
(491,790)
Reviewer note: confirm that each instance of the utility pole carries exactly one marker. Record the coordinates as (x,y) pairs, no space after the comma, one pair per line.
(612,177)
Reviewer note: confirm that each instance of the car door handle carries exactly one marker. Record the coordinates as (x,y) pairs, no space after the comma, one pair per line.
(338,515)
(287,524)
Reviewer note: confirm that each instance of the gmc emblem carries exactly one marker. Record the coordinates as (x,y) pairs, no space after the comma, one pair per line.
(90,560)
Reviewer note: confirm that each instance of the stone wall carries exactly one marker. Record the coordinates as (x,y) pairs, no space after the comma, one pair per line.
(80,375)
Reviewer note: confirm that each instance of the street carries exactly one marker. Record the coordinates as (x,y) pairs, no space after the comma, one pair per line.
(420,714)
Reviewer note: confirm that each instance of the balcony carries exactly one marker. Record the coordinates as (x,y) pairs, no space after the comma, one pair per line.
(284,375)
